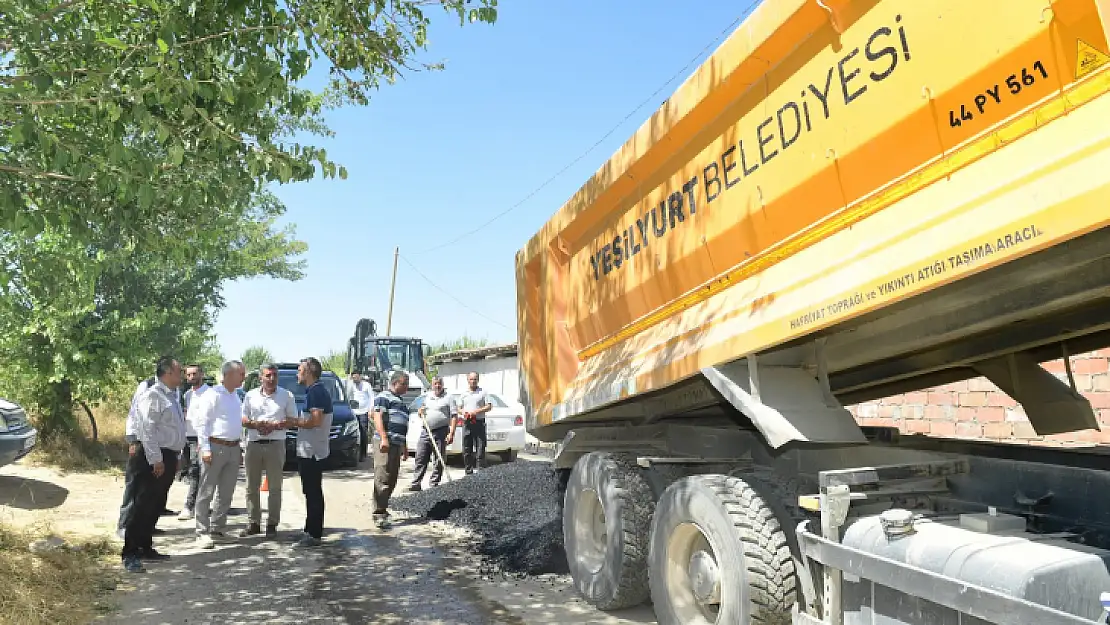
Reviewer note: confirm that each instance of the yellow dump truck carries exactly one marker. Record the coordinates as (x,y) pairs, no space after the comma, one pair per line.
(849,199)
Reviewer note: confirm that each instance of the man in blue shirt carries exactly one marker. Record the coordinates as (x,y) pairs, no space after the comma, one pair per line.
(313,448)
(391,429)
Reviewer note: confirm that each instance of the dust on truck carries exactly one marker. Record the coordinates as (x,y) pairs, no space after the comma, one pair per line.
(848,200)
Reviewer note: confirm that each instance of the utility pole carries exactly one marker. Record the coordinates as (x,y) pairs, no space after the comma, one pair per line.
(392,287)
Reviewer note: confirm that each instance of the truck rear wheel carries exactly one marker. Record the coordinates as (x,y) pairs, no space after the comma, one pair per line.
(606,518)
(719,555)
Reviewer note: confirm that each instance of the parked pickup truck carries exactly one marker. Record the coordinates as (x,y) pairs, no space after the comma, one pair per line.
(17,437)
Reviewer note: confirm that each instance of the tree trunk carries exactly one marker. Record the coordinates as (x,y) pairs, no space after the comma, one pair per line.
(59,417)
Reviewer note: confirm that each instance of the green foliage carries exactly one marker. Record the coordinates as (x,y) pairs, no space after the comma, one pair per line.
(255,356)
(334,361)
(138,141)
(463,342)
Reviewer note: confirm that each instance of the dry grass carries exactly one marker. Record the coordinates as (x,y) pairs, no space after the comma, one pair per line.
(68,585)
(81,453)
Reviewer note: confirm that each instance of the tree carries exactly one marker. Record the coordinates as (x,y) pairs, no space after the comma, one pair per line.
(335,361)
(137,143)
(255,356)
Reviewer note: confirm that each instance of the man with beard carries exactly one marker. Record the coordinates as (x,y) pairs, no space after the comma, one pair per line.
(190,458)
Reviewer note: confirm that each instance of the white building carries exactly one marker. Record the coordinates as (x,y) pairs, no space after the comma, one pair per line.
(497,366)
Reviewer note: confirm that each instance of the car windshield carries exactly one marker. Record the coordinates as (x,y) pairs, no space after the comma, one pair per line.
(289,382)
(496,401)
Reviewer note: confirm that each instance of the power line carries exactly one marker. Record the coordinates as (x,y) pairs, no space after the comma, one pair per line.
(604,137)
(457,300)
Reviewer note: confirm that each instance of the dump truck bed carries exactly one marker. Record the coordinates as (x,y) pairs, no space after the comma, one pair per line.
(920,185)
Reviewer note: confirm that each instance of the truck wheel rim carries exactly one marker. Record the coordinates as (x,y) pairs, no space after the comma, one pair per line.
(590,535)
(693,575)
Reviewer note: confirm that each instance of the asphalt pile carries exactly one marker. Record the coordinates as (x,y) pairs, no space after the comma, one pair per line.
(513,510)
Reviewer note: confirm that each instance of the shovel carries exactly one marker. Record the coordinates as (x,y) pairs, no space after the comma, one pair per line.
(435,448)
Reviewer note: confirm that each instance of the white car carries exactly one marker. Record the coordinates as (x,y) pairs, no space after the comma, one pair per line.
(504,428)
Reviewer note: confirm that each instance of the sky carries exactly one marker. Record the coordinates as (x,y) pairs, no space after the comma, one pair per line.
(439,154)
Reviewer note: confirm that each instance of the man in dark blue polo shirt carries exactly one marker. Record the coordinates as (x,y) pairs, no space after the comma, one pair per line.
(313,447)
(391,429)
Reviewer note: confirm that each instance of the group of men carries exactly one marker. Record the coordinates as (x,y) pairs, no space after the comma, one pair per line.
(204,433)
(199,436)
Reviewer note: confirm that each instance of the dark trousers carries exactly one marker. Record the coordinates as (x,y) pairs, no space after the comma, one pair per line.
(312,485)
(190,471)
(425,453)
(474,445)
(127,505)
(387,466)
(149,499)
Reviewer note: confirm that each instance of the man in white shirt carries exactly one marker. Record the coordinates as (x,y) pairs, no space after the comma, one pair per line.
(190,458)
(160,435)
(218,420)
(129,434)
(361,391)
(266,413)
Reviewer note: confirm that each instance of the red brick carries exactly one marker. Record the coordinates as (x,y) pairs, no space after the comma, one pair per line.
(1053,366)
(977,398)
(942,428)
(917,427)
(894,400)
(1083,382)
(969,430)
(1016,414)
(968,415)
(1099,400)
(936,412)
(1103,417)
(940,398)
(991,415)
(981,384)
(1086,436)
(918,397)
(1089,365)
(1000,399)
(913,412)
(867,410)
(1100,382)
(886,412)
(1023,429)
(955,387)
(998,430)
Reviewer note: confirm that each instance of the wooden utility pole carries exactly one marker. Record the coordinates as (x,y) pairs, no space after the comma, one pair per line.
(392,288)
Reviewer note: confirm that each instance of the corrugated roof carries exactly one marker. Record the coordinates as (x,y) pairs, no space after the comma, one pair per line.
(476,353)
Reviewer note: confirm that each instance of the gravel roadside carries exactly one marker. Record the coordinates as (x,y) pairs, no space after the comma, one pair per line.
(419,571)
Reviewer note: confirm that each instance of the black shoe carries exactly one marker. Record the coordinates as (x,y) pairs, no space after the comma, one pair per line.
(157,531)
(153,555)
(252,530)
(415,488)
(271,531)
(131,564)
(167,512)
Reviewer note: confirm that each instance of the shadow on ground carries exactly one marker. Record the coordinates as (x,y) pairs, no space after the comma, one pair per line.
(30,494)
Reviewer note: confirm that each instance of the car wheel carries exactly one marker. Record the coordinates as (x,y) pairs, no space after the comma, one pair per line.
(509,455)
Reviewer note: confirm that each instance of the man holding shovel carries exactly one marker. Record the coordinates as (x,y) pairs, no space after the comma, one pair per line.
(437,412)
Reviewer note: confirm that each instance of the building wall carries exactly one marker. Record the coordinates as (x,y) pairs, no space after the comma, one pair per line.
(497,375)
(977,409)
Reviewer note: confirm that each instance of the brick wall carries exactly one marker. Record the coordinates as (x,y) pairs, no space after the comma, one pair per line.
(977,409)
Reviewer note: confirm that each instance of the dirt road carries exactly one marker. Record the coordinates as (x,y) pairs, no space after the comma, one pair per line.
(415,572)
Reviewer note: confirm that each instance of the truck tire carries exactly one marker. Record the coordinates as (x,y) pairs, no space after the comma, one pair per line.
(719,555)
(606,517)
